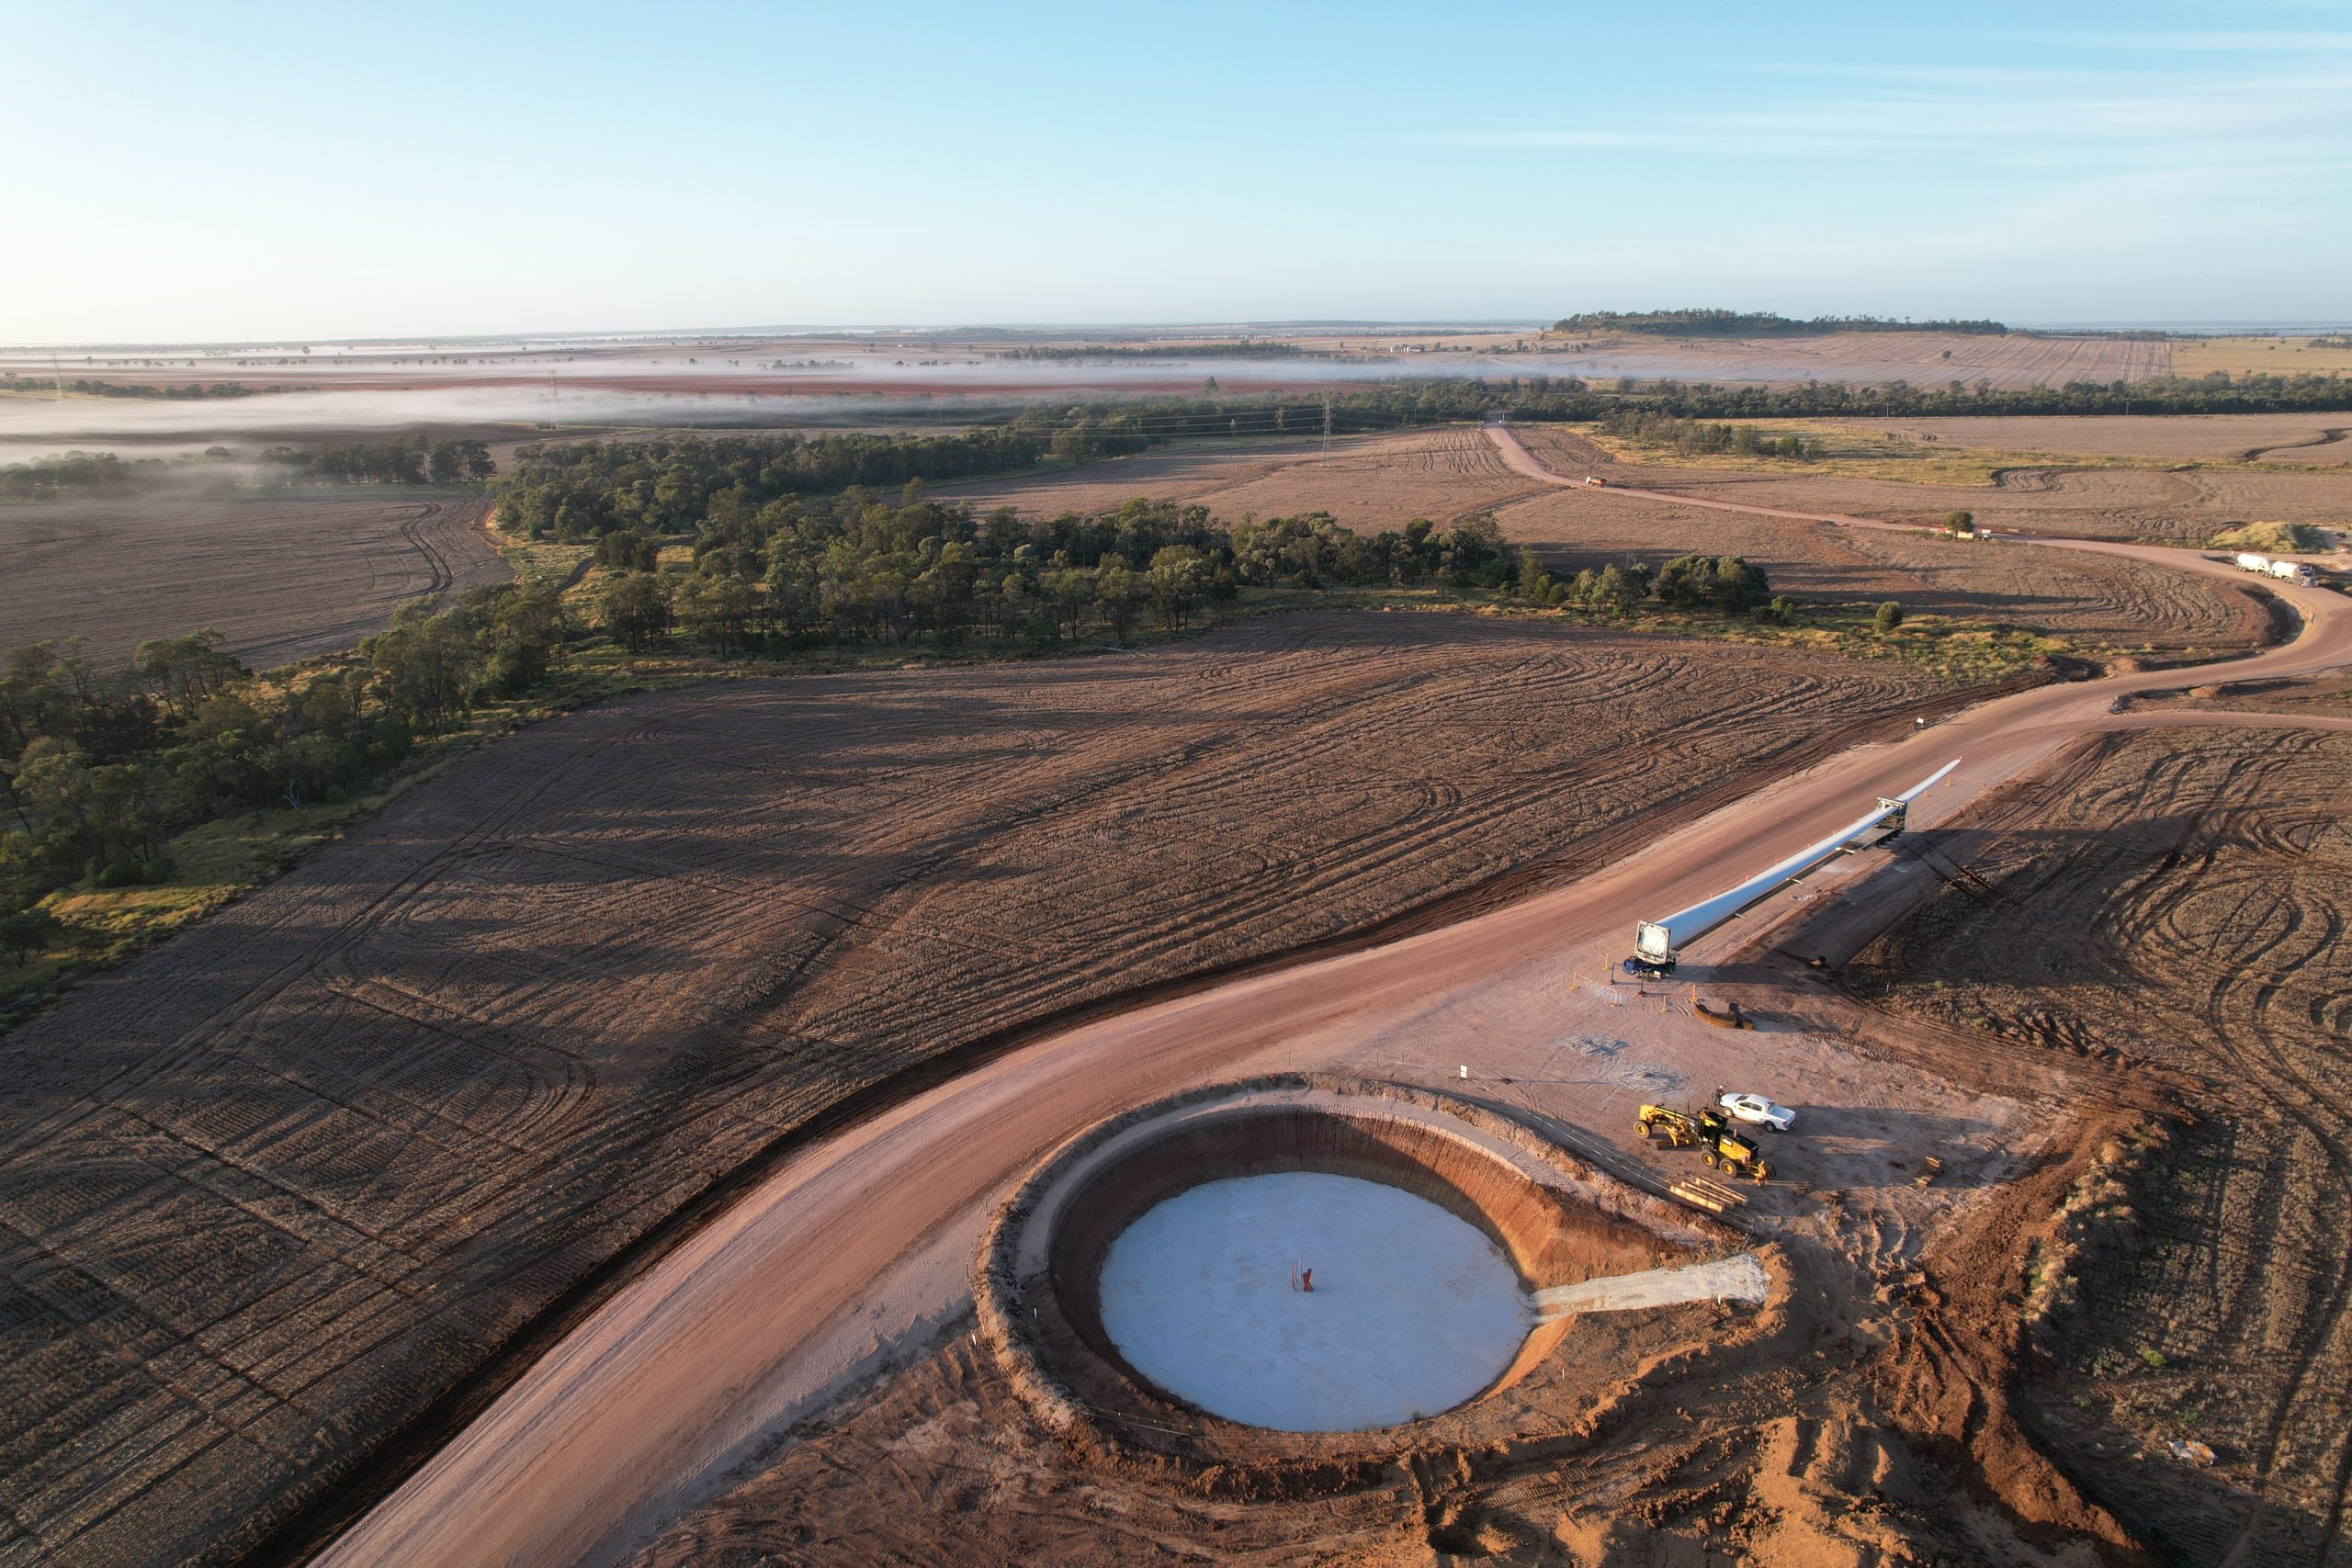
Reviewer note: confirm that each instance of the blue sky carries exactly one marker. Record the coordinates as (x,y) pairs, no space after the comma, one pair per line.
(203,172)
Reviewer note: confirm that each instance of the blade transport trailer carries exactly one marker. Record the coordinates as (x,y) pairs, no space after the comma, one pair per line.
(1656,941)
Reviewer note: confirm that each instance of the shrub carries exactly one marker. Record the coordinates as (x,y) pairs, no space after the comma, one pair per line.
(1889,616)
(27,931)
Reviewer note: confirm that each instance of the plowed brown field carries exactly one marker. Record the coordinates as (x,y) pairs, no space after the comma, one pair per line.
(281,577)
(267,1191)
(2185,506)
(2191,437)
(2180,899)
(2317,697)
(1367,483)
(2099,601)
(1924,359)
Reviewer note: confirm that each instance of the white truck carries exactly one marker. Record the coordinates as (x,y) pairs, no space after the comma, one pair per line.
(2286,570)
(1655,942)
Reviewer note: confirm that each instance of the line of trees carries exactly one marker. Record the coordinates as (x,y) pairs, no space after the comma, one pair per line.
(853,570)
(100,769)
(413,462)
(1754,323)
(1250,348)
(1416,401)
(81,473)
(1725,583)
(1690,436)
(410,462)
(35,383)
(578,491)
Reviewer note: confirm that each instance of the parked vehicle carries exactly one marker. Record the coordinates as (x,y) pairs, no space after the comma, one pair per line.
(1708,1132)
(1762,1112)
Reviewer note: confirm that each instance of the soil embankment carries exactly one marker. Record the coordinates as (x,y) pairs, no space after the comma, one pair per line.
(2178,903)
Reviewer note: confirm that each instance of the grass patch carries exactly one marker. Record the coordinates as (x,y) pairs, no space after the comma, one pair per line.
(216,862)
(535,561)
(2271,355)
(1963,652)
(2271,538)
(1851,451)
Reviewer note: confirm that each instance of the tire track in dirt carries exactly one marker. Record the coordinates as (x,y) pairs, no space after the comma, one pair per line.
(488,1464)
(2190,913)
(2329,435)
(306,1061)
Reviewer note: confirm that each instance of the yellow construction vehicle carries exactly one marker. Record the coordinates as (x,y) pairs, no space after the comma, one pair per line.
(1678,1128)
(1724,1149)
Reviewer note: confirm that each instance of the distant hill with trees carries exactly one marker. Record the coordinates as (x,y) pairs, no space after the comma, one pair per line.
(1754,323)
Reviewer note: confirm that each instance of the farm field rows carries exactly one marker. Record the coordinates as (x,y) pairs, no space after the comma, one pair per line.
(2179,900)
(281,577)
(2265,355)
(2187,438)
(1366,482)
(2099,602)
(1924,359)
(2188,506)
(267,1190)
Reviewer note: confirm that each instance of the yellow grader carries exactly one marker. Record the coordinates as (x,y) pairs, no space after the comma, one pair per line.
(1732,1153)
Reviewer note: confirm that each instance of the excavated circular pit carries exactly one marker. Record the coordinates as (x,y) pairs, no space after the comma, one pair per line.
(1306,1301)
(1145,1286)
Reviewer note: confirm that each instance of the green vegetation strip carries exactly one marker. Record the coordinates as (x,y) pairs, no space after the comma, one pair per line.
(141,798)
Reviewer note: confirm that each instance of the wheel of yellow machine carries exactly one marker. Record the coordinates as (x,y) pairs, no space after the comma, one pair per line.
(1712,1159)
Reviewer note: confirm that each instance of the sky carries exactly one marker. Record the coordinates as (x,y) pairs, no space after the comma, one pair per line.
(249,171)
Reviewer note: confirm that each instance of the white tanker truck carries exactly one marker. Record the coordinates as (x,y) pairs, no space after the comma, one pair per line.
(2286,570)
(1655,942)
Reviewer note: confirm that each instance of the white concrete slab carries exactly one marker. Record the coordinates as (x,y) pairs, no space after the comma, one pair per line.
(1740,1278)
(1413,1311)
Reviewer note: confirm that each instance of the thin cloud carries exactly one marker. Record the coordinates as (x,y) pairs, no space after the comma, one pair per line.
(2311,106)
(2188,42)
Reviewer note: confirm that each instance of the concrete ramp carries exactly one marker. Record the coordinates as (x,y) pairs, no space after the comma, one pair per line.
(1740,1278)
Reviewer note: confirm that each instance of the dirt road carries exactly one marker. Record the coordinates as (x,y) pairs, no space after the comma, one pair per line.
(869,1234)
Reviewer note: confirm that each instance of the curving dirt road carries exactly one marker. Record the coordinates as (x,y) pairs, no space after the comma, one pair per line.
(752,1320)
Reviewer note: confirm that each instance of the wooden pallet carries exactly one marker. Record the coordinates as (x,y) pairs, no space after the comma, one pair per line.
(1712,1196)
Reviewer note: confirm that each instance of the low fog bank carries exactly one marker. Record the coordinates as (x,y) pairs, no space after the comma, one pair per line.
(34,425)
